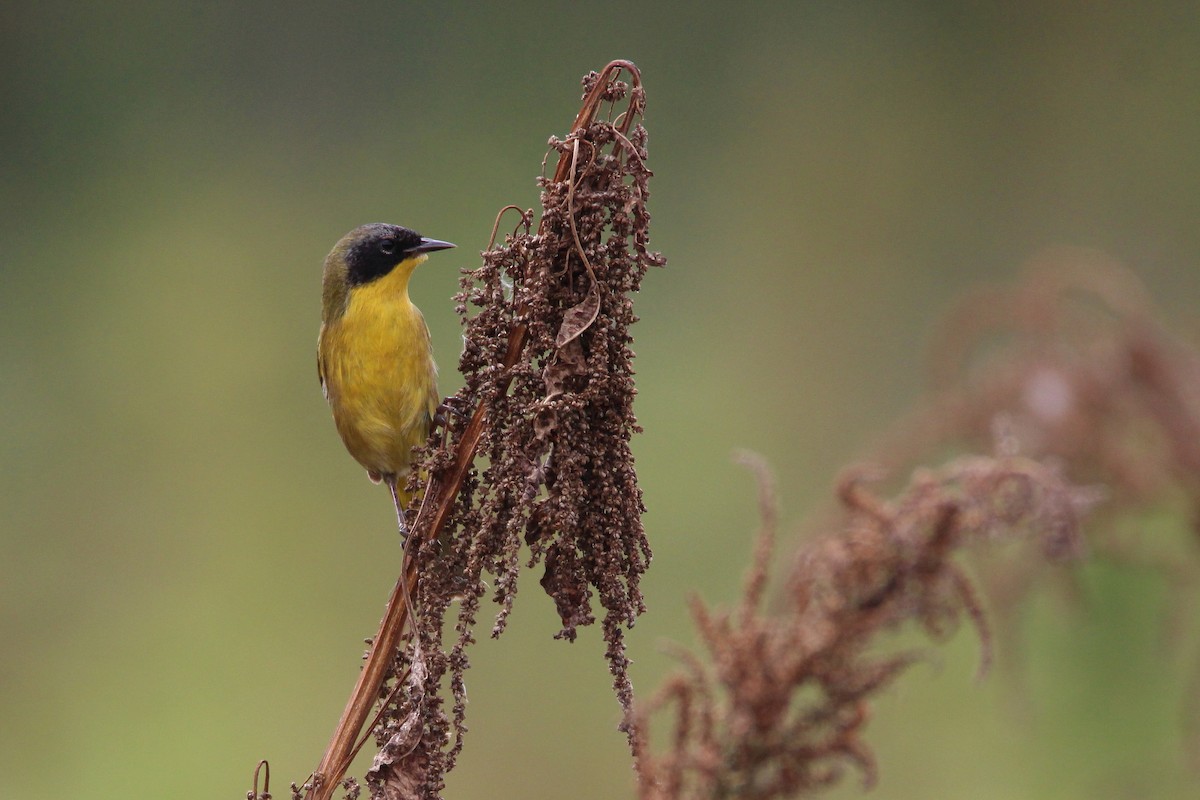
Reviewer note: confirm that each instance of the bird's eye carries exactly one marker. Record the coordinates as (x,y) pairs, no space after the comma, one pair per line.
(387,246)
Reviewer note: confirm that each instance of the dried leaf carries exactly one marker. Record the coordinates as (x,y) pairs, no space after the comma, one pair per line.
(568,361)
(579,318)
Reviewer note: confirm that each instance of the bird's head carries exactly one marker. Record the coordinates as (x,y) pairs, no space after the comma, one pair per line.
(370,252)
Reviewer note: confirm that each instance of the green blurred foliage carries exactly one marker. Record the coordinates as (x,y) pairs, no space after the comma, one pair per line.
(190,560)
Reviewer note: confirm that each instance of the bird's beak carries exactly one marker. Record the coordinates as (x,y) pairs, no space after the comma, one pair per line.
(429,245)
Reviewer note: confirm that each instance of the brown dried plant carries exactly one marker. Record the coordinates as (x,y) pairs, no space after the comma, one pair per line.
(548,402)
(559,488)
(1070,379)
(783,702)
(1076,362)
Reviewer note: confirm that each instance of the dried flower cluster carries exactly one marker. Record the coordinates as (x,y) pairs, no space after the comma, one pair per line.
(1076,361)
(549,394)
(561,476)
(1076,384)
(783,703)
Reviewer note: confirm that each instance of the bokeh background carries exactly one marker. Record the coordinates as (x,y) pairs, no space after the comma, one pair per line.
(189,559)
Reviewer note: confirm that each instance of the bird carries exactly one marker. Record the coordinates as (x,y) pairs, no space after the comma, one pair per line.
(374,354)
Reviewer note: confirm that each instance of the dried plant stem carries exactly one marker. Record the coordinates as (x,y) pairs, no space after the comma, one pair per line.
(345,742)
(435,509)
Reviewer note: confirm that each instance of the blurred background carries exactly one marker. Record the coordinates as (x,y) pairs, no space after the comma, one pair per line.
(190,560)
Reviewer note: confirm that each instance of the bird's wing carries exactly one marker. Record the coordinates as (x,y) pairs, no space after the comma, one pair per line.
(321,375)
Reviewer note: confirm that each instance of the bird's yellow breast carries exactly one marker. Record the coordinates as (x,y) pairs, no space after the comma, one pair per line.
(377,370)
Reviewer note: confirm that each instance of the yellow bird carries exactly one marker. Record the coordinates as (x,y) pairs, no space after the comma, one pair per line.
(374,356)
